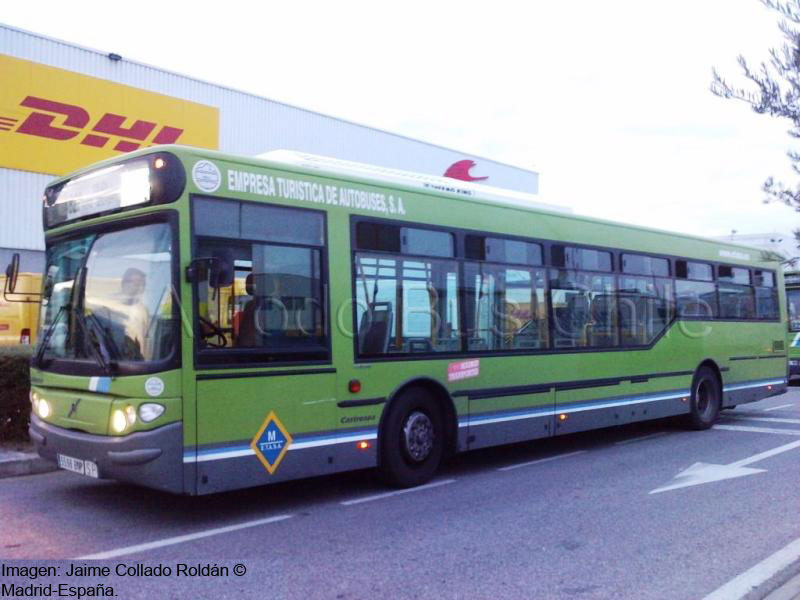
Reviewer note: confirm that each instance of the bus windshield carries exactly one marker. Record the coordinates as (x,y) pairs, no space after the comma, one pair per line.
(793,302)
(108,297)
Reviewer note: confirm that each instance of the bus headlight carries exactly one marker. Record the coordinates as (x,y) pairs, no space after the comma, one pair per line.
(119,421)
(150,411)
(130,415)
(43,408)
(34,397)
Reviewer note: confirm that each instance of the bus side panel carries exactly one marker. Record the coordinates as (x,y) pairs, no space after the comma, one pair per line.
(505,420)
(295,414)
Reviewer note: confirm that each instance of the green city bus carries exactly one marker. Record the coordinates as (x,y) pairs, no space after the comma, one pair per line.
(212,322)
(792,283)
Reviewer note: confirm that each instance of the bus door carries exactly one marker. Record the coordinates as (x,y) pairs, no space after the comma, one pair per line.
(266,409)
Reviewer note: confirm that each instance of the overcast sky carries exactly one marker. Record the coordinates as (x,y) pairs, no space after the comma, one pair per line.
(608,101)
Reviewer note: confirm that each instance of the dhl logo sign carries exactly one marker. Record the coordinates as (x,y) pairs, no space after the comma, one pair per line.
(74,119)
(54,121)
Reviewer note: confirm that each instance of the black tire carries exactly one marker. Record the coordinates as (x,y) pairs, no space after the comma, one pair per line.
(705,401)
(412,439)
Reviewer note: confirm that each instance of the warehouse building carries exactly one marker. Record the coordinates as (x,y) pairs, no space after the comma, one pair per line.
(63,106)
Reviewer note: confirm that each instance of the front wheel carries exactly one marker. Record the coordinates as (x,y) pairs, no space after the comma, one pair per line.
(412,440)
(706,399)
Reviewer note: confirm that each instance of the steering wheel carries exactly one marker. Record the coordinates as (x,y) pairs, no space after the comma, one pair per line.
(209,329)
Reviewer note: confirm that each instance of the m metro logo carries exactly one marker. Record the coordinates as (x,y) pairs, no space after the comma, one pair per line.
(54,121)
(271,443)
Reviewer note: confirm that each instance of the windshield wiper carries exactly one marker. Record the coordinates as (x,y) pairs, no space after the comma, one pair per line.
(47,335)
(105,344)
(100,351)
(96,342)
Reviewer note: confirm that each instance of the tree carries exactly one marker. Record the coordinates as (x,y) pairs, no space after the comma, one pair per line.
(776,93)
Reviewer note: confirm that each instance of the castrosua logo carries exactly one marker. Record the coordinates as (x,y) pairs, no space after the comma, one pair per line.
(206,176)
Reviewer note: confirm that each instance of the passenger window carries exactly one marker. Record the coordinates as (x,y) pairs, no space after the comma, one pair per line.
(505,307)
(406,305)
(695,295)
(427,242)
(500,250)
(584,309)
(646,308)
(268,304)
(693,270)
(696,298)
(736,297)
(766,295)
(639,264)
(569,257)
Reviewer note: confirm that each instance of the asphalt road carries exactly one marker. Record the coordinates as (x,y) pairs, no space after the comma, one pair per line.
(564,518)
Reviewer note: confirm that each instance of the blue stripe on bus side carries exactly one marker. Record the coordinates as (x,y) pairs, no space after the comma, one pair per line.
(753,384)
(498,417)
(298,443)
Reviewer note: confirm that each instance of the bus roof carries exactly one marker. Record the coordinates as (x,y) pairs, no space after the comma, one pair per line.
(461,189)
(422,181)
(440,186)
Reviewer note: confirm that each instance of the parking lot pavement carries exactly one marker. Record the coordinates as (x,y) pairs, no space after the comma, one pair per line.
(643,511)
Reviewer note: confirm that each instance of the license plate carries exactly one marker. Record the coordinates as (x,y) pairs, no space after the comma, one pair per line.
(76,465)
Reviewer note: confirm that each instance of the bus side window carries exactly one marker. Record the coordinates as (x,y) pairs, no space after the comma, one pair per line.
(413,301)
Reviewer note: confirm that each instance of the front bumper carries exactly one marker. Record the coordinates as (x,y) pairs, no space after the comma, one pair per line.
(149,458)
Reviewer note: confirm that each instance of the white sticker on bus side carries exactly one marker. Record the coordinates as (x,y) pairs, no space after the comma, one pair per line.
(154,386)
(206,176)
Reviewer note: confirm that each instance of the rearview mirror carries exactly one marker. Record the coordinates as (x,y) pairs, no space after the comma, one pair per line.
(221,273)
(12,272)
(217,270)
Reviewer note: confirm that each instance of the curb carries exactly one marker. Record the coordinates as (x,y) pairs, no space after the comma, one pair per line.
(788,591)
(16,464)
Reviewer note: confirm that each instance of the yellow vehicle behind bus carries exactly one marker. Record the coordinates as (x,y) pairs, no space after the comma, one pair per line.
(19,320)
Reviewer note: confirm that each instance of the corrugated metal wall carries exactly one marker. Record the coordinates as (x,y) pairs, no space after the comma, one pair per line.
(249,125)
(21,209)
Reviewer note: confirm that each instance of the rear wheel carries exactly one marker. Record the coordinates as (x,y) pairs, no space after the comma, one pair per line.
(412,440)
(706,399)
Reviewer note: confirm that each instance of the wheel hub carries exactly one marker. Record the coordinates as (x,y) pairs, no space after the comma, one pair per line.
(418,436)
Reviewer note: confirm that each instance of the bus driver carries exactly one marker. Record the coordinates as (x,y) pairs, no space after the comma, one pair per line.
(133,285)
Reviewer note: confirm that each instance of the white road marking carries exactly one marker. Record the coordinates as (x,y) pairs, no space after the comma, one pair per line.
(762,455)
(743,584)
(767,419)
(700,473)
(778,407)
(644,437)
(181,539)
(758,429)
(419,488)
(539,461)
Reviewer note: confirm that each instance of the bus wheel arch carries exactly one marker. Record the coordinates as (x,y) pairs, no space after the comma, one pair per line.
(711,364)
(419,402)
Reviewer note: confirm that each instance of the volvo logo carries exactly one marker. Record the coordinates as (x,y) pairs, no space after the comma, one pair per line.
(73,408)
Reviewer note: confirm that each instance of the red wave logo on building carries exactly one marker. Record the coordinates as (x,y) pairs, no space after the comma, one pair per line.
(460,170)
